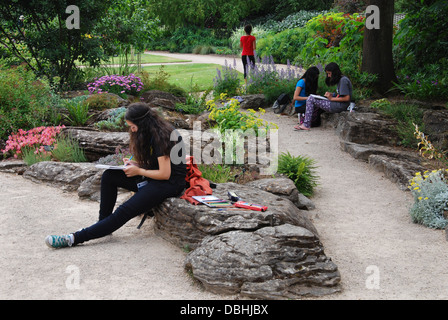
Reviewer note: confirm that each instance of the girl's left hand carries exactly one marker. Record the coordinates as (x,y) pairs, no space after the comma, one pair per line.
(131,170)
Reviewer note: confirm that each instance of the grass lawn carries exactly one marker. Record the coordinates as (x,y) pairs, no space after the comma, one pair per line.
(146,58)
(183,75)
(151,58)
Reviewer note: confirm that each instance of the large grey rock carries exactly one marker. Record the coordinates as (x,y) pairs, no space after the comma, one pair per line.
(67,176)
(436,127)
(283,187)
(364,151)
(367,128)
(280,262)
(157,98)
(13,166)
(186,225)
(399,171)
(254,101)
(90,188)
(98,144)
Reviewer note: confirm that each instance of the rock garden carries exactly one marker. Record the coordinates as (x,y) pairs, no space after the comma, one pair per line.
(52,133)
(274,254)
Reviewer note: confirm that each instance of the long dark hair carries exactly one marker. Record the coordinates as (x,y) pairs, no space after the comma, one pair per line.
(153,132)
(336,74)
(311,77)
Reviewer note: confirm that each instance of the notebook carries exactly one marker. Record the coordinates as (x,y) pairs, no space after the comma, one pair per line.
(213,202)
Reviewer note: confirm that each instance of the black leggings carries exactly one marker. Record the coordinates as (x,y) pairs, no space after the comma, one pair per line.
(245,59)
(145,198)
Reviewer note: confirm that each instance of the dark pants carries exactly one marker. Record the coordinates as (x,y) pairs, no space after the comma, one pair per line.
(145,198)
(246,59)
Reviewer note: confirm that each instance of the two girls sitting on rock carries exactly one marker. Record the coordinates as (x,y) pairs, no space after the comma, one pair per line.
(334,103)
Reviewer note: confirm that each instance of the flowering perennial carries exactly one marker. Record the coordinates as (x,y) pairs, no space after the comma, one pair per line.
(430,191)
(129,85)
(265,72)
(35,138)
(229,116)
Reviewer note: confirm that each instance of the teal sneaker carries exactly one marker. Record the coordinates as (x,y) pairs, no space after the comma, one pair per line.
(59,241)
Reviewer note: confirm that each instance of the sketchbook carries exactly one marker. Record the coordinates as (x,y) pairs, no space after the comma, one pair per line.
(106,166)
(318,97)
(213,202)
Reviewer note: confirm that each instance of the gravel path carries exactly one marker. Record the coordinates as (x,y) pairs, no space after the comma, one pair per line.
(362,219)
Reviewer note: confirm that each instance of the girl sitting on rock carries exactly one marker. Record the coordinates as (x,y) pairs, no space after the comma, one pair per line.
(334,103)
(157,174)
(306,85)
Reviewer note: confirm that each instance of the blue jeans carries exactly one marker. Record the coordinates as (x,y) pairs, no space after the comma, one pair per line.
(144,199)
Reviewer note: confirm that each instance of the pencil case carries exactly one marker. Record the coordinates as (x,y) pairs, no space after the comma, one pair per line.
(251,206)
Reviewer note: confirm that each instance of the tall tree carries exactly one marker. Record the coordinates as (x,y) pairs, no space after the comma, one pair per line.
(377,47)
(174,13)
(51,45)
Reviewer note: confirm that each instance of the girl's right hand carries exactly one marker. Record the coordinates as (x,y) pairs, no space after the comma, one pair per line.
(128,161)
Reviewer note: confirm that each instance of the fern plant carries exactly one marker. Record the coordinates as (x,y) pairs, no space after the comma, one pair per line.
(301,170)
(78,112)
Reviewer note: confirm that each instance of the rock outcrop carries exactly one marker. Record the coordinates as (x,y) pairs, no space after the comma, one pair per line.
(372,137)
(274,254)
(279,262)
(186,225)
(98,144)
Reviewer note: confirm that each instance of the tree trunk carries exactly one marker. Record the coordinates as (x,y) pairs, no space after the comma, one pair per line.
(377,47)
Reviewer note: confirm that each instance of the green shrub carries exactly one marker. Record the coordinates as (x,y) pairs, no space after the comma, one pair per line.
(193,104)
(283,46)
(204,49)
(25,101)
(295,20)
(419,54)
(160,82)
(338,37)
(407,116)
(429,83)
(217,173)
(301,170)
(102,101)
(185,39)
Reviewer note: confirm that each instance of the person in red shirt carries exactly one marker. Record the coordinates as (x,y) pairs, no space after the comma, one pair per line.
(248,44)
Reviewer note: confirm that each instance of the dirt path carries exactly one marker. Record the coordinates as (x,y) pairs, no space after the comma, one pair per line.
(364,224)
(361,216)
